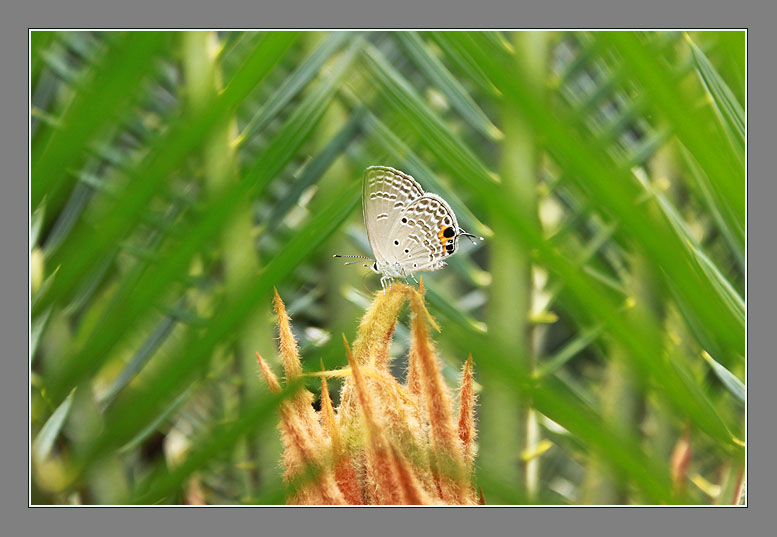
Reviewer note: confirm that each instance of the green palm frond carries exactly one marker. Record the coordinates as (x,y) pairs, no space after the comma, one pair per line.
(177,178)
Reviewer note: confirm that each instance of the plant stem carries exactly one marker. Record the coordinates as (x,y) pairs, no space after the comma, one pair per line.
(336,277)
(622,399)
(239,258)
(508,427)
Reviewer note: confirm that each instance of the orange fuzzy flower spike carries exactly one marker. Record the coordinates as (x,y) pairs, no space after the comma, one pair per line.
(409,485)
(302,453)
(386,443)
(404,424)
(372,345)
(466,420)
(446,450)
(269,376)
(467,411)
(328,417)
(288,343)
(345,475)
(292,365)
(380,462)
(377,325)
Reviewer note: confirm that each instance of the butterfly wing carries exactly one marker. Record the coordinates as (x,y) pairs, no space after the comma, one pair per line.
(386,194)
(424,235)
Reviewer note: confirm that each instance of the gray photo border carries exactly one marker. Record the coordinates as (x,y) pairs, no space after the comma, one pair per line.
(18,519)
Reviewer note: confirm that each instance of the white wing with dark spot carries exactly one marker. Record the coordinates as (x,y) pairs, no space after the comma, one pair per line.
(386,194)
(423,235)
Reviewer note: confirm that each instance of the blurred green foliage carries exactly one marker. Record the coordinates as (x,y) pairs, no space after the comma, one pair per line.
(177,177)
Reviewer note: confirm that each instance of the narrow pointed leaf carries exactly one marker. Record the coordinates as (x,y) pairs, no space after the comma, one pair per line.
(44,441)
(137,295)
(85,245)
(130,415)
(729,380)
(112,85)
(731,113)
(447,84)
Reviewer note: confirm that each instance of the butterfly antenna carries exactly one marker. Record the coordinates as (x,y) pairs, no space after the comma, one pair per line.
(354,257)
(470,236)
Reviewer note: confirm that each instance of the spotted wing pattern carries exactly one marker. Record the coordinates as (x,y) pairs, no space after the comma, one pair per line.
(387,193)
(424,234)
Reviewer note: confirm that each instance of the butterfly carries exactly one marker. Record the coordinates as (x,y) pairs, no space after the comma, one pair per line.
(409,230)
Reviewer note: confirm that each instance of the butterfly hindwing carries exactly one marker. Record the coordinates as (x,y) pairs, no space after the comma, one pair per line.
(423,235)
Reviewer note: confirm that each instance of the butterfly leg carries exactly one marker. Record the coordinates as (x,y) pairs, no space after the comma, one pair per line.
(412,276)
(383,281)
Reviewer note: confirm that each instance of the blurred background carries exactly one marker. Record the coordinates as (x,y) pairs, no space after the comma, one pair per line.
(177,177)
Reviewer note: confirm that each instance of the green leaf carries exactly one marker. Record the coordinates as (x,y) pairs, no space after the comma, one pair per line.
(40,40)
(85,245)
(735,302)
(141,357)
(44,441)
(316,168)
(719,282)
(462,59)
(294,83)
(671,100)
(730,112)
(155,424)
(114,83)
(36,224)
(447,84)
(569,351)
(257,415)
(136,295)
(733,48)
(733,231)
(614,190)
(441,304)
(551,398)
(402,95)
(38,326)
(133,413)
(729,380)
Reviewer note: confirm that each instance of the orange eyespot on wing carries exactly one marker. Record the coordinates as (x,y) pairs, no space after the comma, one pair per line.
(445,235)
